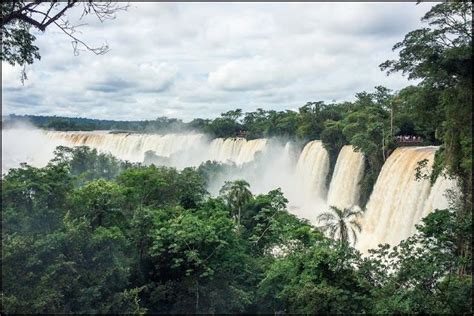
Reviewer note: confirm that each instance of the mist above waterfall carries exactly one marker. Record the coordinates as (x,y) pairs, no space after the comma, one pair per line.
(23,142)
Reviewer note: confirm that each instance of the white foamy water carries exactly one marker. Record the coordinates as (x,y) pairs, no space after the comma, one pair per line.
(443,193)
(132,147)
(311,170)
(344,189)
(236,150)
(397,198)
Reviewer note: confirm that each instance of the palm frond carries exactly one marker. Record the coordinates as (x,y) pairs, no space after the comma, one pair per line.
(326,217)
(337,211)
(354,235)
(333,231)
(351,212)
(356,224)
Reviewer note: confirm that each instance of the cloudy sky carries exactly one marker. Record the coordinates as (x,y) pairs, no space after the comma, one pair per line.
(190,60)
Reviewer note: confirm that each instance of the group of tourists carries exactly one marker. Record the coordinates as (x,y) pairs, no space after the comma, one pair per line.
(408,138)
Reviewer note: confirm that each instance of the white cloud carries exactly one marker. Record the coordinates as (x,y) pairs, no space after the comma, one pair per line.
(247,74)
(200,59)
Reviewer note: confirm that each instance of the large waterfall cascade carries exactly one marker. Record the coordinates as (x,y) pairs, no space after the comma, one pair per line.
(194,147)
(397,199)
(443,193)
(397,203)
(306,187)
(131,147)
(344,189)
(236,150)
(312,168)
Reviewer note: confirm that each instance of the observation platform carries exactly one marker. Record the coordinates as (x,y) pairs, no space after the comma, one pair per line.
(408,140)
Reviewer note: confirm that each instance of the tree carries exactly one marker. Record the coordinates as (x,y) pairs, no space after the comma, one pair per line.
(255,123)
(100,202)
(192,188)
(197,262)
(34,199)
(282,123)
(18,47)
(261,218)
(87,164)
(311,120)
(54,259)
(227,125)
(318,279)
(439,55)
(149,186)
(162,186)
(236,194)
(341,222)
(424,273)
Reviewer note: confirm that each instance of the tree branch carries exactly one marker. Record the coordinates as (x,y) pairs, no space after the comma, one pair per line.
(49,10)
(60,13)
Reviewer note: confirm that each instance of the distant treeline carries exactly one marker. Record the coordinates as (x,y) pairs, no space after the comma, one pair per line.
(61,123)
(310,121)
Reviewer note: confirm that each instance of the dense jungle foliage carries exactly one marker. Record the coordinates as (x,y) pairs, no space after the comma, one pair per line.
(89,233)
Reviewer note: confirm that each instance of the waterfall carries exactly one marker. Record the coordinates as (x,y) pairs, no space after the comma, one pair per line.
(438,198)
(397,198)
(397,203)
(311,170)
(235,150)
(132,147)
(183,149)
(344,188)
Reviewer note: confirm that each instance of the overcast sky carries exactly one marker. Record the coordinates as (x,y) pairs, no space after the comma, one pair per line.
(188,60)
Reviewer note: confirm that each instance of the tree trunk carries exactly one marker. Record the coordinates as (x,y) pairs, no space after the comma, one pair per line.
(197,297)
(238,220)
(391,121)
(383,144)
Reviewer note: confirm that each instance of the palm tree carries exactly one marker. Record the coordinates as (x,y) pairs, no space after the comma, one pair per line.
(339,222)
(236,194)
